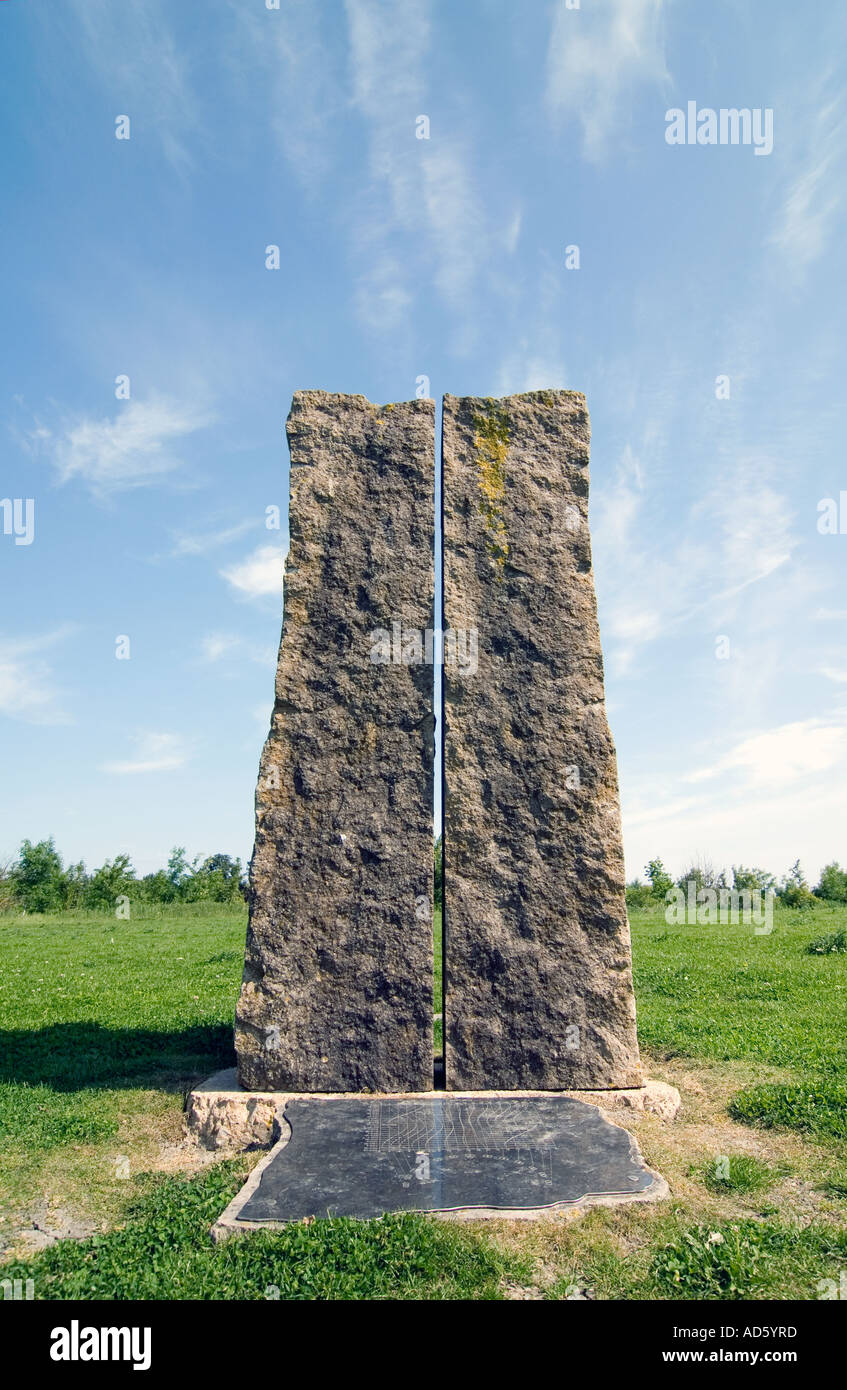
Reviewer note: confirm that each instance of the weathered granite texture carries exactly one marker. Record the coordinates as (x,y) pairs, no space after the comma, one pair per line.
(538,978)
(337,991)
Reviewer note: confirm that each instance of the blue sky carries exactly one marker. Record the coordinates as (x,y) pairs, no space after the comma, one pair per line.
(723,608)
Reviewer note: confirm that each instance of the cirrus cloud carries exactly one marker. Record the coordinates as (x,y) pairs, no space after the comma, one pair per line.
(132,450)
(155,753)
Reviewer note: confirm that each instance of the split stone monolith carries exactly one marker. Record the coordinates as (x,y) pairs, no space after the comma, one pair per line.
(337,989)
(538,976)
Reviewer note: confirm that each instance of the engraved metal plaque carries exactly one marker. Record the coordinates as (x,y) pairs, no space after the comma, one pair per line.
(362,1157)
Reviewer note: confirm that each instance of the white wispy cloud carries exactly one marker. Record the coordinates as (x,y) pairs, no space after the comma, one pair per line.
(512,232)
(736,534)
(417,218)
(597,58)
(134,55)
(285,53)
(133,449)
(525,370)
(423,188)
(807,215)
(779,757)
(154,753)
(201,543)
(223,646)
(28,687)
(753,826)
(218,645)
(258,574)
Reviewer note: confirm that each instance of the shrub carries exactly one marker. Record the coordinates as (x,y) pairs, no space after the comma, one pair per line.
(833,944)
(639,895)
(109,882)
(7,888)
(833,884)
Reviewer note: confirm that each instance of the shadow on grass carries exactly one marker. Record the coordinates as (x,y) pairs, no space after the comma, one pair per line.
(76,1056)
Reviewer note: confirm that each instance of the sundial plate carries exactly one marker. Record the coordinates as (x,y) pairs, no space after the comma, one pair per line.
(362,1156)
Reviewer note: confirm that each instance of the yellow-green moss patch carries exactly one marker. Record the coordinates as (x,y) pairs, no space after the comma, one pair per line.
(491,441)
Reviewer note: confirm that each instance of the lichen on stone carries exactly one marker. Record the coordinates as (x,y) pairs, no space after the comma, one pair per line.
(491,442)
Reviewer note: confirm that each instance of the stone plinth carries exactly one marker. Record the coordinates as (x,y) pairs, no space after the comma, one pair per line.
(221,1116)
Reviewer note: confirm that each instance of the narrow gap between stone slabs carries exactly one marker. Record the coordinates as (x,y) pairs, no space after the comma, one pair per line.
(439,782)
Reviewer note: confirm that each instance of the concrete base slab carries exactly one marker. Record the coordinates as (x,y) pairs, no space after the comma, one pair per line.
(220,1115)
(471,1156)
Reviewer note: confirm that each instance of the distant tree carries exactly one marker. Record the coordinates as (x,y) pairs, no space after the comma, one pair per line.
(156,888)
(660,881)
(794,891)
(223,864)
(752,879)
(438,855)
(76,883)
(833,884)
(7,888)
(38,878)
(179,870)
(37,881)
(218,878)
(702,874)
(113,880)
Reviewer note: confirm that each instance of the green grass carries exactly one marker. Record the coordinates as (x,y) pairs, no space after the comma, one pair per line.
(723,992)
(39,1117)
(87,1000)
(742,1173)
(163,1251)
(812,1107)
(732,1260)
(745,1259)
(104,1024)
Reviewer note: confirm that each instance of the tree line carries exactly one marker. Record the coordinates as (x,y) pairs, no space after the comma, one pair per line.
(39,881)
(792,890)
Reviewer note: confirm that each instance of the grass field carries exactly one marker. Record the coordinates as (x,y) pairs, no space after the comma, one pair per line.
(106,1024)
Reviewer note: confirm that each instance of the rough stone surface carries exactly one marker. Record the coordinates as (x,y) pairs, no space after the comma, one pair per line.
(337,991)
(219,1114)
(653,1098)
(538,976)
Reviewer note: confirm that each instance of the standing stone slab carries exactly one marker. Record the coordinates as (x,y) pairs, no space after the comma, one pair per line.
(538,976)
(337,991)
